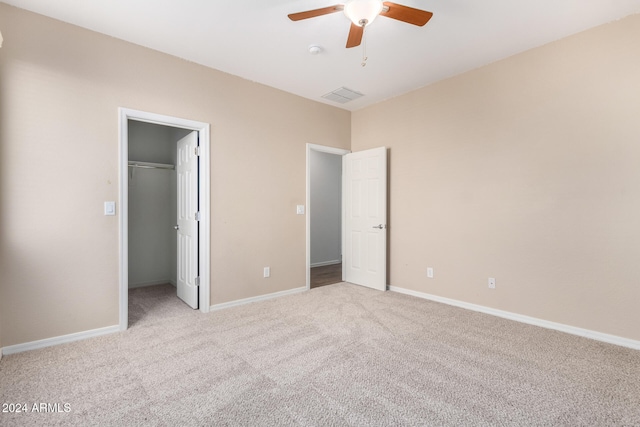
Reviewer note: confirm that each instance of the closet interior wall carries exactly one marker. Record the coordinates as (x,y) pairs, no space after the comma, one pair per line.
(152,204)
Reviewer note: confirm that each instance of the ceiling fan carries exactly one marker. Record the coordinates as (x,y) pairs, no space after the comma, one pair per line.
(363,12)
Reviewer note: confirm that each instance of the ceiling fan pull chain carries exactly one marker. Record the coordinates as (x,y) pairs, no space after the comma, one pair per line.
(364,46)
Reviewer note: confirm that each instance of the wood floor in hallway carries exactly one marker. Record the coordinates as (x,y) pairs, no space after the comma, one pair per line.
(326,275)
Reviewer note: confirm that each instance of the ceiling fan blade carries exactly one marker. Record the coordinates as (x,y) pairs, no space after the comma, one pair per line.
(355,35)
(406,14)
(315,12)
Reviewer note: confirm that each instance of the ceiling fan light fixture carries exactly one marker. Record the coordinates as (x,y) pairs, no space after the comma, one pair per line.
(362,12)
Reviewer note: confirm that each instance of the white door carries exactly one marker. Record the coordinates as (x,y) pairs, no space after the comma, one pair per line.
(365,204)
(187,225)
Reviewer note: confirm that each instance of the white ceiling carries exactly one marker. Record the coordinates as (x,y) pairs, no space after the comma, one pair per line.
(255,40)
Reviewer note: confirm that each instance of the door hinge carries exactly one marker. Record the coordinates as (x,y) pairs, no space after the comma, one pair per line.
(197,216)
(197,281)
(197,150)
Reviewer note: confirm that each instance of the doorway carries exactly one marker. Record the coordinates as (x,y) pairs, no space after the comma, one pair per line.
(130,119)
(152,197)
(363,215)
(324,215)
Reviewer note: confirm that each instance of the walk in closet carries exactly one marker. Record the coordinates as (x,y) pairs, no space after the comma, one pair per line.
(152,203)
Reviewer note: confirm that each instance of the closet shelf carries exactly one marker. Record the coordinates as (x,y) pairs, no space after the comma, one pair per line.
(149,165)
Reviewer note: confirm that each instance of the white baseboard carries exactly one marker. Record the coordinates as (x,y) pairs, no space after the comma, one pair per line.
(324,263)
(152,283)
(598,336)
(257,299)
(48,342)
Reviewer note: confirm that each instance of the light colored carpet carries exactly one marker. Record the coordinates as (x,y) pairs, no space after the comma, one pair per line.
(336,355)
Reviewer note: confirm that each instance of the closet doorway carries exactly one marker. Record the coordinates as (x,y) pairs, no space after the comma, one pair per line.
(154,230)
(152,203)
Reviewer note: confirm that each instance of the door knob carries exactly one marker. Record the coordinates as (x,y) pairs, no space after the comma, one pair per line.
(176,227)
(380,226)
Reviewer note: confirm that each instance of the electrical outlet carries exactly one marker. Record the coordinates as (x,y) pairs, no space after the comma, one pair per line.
(267,272)
(492,283)
(430,272)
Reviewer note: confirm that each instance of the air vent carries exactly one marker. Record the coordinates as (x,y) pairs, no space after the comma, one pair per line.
(342,95)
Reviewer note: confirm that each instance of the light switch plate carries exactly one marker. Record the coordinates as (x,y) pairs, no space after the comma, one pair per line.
(110,208)
(300,209)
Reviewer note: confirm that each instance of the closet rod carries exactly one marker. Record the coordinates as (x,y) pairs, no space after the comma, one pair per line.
(149,165)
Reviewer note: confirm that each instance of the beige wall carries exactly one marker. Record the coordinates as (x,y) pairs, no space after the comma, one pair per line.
(60,88)
(526,170)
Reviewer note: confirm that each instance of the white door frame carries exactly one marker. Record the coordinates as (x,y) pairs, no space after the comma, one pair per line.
(204,180)
(324,149)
